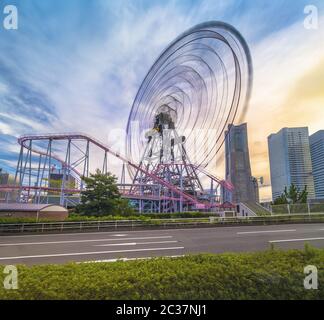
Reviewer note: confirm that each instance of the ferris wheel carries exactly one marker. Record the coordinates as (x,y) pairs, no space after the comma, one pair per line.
(203,80)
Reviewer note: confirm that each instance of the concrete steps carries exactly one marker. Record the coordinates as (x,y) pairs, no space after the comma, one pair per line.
(257,208)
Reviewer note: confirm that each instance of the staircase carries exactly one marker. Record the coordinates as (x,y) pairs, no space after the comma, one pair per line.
(257,208)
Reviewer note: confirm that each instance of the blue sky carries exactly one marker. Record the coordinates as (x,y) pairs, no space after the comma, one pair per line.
(76,65)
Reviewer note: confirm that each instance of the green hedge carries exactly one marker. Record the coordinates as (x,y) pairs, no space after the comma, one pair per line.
(77,217)
(175,215)
(314,218)
(267,275)
(22,220)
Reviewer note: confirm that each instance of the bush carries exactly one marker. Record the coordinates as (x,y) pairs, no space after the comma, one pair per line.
(317,207)
(22,220)
(272,274)
(77,217)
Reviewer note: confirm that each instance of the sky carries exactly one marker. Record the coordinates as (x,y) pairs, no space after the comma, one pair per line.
(76,66)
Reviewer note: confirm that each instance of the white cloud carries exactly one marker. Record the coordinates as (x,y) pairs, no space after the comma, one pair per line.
(280,61)
(91,86)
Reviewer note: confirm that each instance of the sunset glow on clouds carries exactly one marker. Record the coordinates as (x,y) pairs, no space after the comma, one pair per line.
(288,89)
(76,66)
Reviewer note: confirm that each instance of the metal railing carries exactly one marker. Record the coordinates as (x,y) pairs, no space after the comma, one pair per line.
(303,208)
(112,225)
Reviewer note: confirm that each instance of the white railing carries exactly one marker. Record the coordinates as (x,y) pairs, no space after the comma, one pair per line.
(112,225)
(246,211)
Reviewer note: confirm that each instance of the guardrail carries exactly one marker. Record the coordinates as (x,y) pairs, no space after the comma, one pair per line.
(48,227)
(96,225)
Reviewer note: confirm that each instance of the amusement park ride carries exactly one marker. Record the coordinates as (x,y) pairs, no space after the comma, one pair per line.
(197,87)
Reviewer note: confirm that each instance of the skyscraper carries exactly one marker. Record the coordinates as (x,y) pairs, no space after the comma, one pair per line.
(290,161)
(237,163)
(317,154)
(4,177)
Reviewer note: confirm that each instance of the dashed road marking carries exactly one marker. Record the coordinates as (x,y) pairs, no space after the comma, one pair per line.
(266,231)
(295,240)
(133,243)
(89,253)
(79,241)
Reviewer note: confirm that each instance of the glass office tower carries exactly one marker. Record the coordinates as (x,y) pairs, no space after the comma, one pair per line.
(317,153)
(290,161)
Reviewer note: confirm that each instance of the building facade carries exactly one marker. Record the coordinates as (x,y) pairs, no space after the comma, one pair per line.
(237,165)
(317,154)
(290,161)
(56,177)
(37,211)
(4,180)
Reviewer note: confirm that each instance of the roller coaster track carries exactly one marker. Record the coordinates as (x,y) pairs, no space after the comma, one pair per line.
(23,141)
(9,188)
(226,184)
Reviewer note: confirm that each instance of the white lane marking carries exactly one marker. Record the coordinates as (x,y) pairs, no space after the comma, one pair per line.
(79,241)
(112,233)
(130,259)
(296,240)
(119,235)
(88,253)
(266,231)
(133,243)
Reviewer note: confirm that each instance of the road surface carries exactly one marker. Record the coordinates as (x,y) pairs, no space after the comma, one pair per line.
(108,246)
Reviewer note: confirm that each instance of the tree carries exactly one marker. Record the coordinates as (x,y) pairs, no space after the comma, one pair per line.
(102,197)
(281,200)
(292,196)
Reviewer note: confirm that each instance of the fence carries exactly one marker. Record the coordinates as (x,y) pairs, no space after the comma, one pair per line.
(81,226)
(97,225)
(305,208)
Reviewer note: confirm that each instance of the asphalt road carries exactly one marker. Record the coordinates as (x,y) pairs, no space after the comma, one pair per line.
(108,246)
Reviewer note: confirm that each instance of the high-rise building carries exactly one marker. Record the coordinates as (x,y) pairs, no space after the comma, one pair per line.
(317,154)
(237,163)
(56,177)
(290,161)
(4,178)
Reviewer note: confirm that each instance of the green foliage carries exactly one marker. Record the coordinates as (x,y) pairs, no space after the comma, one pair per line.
(280,200)
(272,274)
(77,218)
(317,207)
(102,197)
(314,208)
(176,215)
(315,218)
(310,252)
(6,220)
(134,216)
(292,196)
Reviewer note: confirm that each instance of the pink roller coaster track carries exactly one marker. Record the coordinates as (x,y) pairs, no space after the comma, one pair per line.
(81,136)
(23,141)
